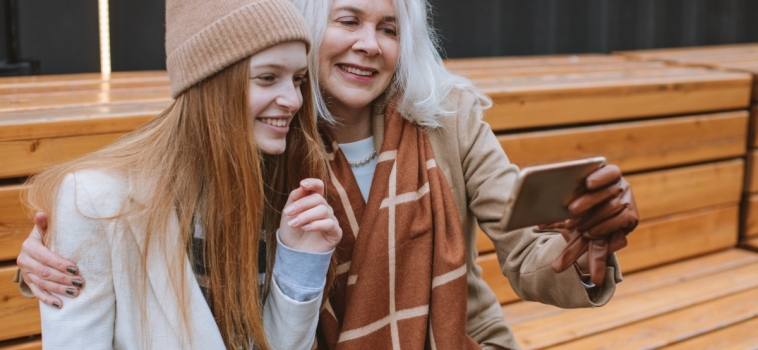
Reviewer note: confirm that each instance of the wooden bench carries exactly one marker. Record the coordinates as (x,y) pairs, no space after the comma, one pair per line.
(46,120)
(736,58)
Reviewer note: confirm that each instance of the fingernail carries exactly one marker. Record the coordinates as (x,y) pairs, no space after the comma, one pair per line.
(305,183)
(288,210)
(56,305)
(293,222)
(77,283)
(70,291)
(72,270)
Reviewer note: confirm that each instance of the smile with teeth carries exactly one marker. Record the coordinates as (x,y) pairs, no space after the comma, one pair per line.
(356,71)
(274,121)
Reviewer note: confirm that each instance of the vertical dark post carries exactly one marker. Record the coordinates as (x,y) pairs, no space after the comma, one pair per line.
(11,31)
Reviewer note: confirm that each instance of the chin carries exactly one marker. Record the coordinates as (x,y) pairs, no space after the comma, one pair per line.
(273,149)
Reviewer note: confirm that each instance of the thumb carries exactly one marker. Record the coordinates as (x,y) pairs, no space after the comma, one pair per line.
(40,220)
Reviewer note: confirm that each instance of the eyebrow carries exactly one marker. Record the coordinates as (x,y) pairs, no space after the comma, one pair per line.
(360,12)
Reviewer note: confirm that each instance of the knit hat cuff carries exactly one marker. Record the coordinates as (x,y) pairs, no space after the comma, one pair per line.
(240,34)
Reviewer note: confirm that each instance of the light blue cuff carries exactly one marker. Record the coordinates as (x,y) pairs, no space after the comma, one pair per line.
(300,275)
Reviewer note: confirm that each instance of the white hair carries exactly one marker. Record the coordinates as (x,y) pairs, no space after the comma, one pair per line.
(420,76)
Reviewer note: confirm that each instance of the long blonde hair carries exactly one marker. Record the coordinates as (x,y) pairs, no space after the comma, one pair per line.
(198,159)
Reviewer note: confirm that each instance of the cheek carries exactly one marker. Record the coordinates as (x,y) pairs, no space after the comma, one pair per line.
(258,101)
(390,51)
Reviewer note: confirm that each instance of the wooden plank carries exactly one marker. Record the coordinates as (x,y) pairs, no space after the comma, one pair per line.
(84,86)
(645,281)
(527,102)
(494,277)
(531,61)
(73,121)
(81,78)
(636,146)
(678,190)
(477,73)
(697,51)
(680,236)
(16,103)
(753,141)
(738,336)
(21,158)
(560,328)
(33,344)
(675,326)
(751,176)
(751,244)
(750,216)
(15,224)
(18,315)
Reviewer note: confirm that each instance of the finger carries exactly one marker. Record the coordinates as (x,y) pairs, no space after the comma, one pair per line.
(320,212)
(617,242)
(606,211)
(32,267)
(313,185)
(51,287)
(573,250)
(294,196)
(602,177)
(589,200)
(598,254)
(40,222)
(310,201)
(327,226)
(624,221)
(45,297)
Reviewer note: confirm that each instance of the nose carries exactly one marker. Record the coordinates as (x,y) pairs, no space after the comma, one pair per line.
(366,42)
(290,98)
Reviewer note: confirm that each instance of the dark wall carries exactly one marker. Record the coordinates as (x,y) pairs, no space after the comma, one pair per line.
(527,27)
(63,34)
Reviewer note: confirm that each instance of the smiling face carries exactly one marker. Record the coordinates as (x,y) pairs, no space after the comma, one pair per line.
(358,54)
(276,75)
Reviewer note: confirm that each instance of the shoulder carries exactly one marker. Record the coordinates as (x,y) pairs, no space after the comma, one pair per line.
(94,193)
(462,106)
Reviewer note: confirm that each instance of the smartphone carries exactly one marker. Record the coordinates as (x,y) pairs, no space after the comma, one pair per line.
(542,193)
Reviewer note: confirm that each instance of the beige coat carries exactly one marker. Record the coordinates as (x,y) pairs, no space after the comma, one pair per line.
(481,177)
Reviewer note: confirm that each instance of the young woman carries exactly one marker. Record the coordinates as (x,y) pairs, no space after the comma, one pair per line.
(172,223)
(413,171)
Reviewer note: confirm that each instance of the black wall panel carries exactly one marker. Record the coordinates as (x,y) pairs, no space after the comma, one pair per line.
(62,35)
(137,34)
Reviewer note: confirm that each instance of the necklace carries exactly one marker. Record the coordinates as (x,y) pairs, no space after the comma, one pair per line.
(363,161)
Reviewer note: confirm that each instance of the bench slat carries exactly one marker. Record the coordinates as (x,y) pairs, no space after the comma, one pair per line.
(750,210)
(531,61)
(475,73)
(645,281)
(83,86)
(738,336)
(751,176)
(753,137)
(16,103)
(74,121)
(21,158)
(82,78)
(636,146)
(492,274)
(15,225)
(680,236)
(672,191)
(681,324)
(18,315)
(22,345)
(557,329)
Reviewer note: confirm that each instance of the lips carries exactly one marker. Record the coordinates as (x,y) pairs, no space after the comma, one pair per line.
(361,71)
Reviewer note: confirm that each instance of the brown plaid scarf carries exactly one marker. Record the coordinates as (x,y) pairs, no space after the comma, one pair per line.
(401,273)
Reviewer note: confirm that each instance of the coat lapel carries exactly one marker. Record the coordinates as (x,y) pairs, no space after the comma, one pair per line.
(203,332)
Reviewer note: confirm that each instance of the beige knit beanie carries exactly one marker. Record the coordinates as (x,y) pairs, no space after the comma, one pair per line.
(205,36)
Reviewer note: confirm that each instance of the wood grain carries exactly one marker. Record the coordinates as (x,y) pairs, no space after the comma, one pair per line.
(18,315)
(750,244)
(636,146)
(750,216)
(678,190)
(74,121)
(531,61)
(736,337)
(753,137)
(669,328)
(645,281)
(680,236)
(17,103)
(477,73)
(560,328)
(34,344)
(751,175)
(15,224)
(495,279)
(21,158)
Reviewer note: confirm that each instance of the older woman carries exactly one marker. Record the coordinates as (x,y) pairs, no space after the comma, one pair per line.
(413,171)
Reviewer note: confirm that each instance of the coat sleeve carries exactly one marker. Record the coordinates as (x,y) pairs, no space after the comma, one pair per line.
(524,255)
(290,324)
(85,322)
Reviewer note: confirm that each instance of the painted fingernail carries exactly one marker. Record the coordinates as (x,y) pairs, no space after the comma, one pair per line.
(56,305)
(288,210)
(77,283)
(293,222)
(72,270)
(70,291)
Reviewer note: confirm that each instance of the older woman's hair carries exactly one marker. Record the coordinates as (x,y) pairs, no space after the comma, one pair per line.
(420,75)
